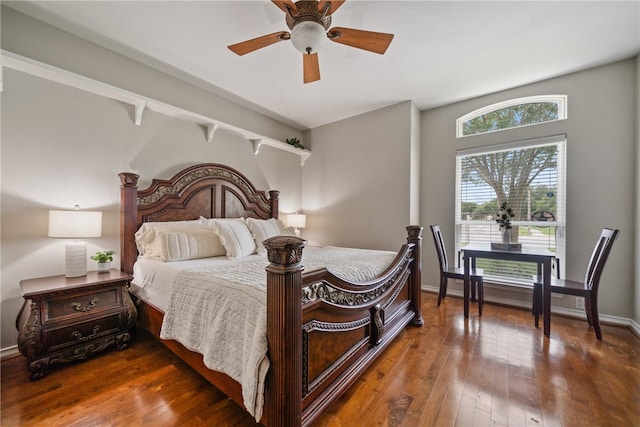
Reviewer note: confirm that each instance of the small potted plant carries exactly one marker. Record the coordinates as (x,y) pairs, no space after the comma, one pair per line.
(295,142)
(504,221)
(103,259)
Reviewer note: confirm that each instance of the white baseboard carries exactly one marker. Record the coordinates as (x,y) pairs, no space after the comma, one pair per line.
(8,352)
(635,328)
(579,314)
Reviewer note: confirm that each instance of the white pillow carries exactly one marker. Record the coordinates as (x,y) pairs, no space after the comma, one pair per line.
(262,229)
(194,243)
(288,231)
(212,222)
(146,239)
(235,237)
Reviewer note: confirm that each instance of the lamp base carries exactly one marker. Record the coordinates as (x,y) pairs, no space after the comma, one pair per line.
(75,259)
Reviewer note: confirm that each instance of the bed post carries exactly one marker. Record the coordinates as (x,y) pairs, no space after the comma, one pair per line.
(274,197)
(283,396)
(128,220)
(415,236)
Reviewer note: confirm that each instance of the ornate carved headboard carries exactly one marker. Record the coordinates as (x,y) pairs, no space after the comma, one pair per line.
(209,190)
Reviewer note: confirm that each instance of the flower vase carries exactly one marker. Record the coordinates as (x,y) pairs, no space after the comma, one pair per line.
(506,236)
(103,267)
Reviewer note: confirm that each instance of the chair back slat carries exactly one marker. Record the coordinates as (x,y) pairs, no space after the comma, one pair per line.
(599,257)
(440,248)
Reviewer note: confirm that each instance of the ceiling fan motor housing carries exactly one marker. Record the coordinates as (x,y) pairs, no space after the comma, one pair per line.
(308,26)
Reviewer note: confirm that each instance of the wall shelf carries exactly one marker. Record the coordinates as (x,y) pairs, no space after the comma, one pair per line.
(140,103)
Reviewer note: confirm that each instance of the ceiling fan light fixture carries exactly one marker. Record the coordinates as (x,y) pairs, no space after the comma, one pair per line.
(308,37)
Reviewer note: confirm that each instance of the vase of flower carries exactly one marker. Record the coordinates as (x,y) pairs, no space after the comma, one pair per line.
(504,221)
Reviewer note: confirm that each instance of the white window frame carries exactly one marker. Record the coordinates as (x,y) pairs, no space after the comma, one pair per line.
(559,100)
(560,221)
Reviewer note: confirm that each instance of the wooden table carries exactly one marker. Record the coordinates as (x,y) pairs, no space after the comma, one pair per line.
(542,257)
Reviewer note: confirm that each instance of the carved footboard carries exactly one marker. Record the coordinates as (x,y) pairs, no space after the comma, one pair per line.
(320,347)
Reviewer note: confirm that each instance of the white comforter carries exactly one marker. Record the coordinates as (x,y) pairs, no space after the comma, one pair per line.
(220,311)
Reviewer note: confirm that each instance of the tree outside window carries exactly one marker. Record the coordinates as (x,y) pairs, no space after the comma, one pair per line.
(529,177)
(513,113)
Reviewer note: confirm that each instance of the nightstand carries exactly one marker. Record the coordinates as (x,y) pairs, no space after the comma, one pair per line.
(69,319)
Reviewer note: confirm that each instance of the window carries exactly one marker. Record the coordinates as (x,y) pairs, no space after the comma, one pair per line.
(513,113)
(530,177)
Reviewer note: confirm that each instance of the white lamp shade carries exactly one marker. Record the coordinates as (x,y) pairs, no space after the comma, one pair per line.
(75,224)
(308,34)
(296,220)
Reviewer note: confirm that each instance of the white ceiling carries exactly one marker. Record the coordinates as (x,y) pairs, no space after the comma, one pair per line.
(442,52)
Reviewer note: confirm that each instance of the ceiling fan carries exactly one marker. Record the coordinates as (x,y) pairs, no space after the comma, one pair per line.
(309,22)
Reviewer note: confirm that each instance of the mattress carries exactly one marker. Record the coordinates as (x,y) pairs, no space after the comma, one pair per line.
(153,279)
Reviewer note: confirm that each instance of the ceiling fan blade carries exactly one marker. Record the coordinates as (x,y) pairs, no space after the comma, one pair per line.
(259,42)
(284,4)
(367,40)
(311,67)
(333,5)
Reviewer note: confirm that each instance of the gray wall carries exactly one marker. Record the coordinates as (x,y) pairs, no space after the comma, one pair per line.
(602,139)
(359,181)
(636,259)
(62,146)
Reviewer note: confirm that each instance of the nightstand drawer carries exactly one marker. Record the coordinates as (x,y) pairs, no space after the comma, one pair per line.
(56,338)
(81,304)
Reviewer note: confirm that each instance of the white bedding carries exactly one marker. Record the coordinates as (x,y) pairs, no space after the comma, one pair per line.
(217,307)
(152,278)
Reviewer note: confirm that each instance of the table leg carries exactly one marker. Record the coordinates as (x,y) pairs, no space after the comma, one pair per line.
(546,291)
(466,285)
(537,303)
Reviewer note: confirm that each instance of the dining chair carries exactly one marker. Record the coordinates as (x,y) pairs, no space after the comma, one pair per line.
(588,288)
(447,272)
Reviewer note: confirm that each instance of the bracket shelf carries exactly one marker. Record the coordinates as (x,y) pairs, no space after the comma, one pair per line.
(139,102)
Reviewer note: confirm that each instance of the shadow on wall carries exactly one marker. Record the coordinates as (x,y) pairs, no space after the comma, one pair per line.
(178,144)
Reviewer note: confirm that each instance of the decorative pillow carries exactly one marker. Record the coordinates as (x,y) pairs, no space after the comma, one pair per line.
(262,229)
(288,231)
(212,222)
(146,239)
(202,242)
(235,237)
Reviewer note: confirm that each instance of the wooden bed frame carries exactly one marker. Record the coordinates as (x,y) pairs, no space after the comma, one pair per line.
(322,331)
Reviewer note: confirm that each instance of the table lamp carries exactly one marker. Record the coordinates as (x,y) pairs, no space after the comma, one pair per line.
(75,224)
(297,221)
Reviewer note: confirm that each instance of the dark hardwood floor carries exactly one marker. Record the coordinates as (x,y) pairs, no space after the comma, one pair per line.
(497,370)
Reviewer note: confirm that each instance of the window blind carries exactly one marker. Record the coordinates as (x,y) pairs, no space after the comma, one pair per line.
(530,176)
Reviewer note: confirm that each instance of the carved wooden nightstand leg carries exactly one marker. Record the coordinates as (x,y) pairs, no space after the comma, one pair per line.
(122,341)
(38,368)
